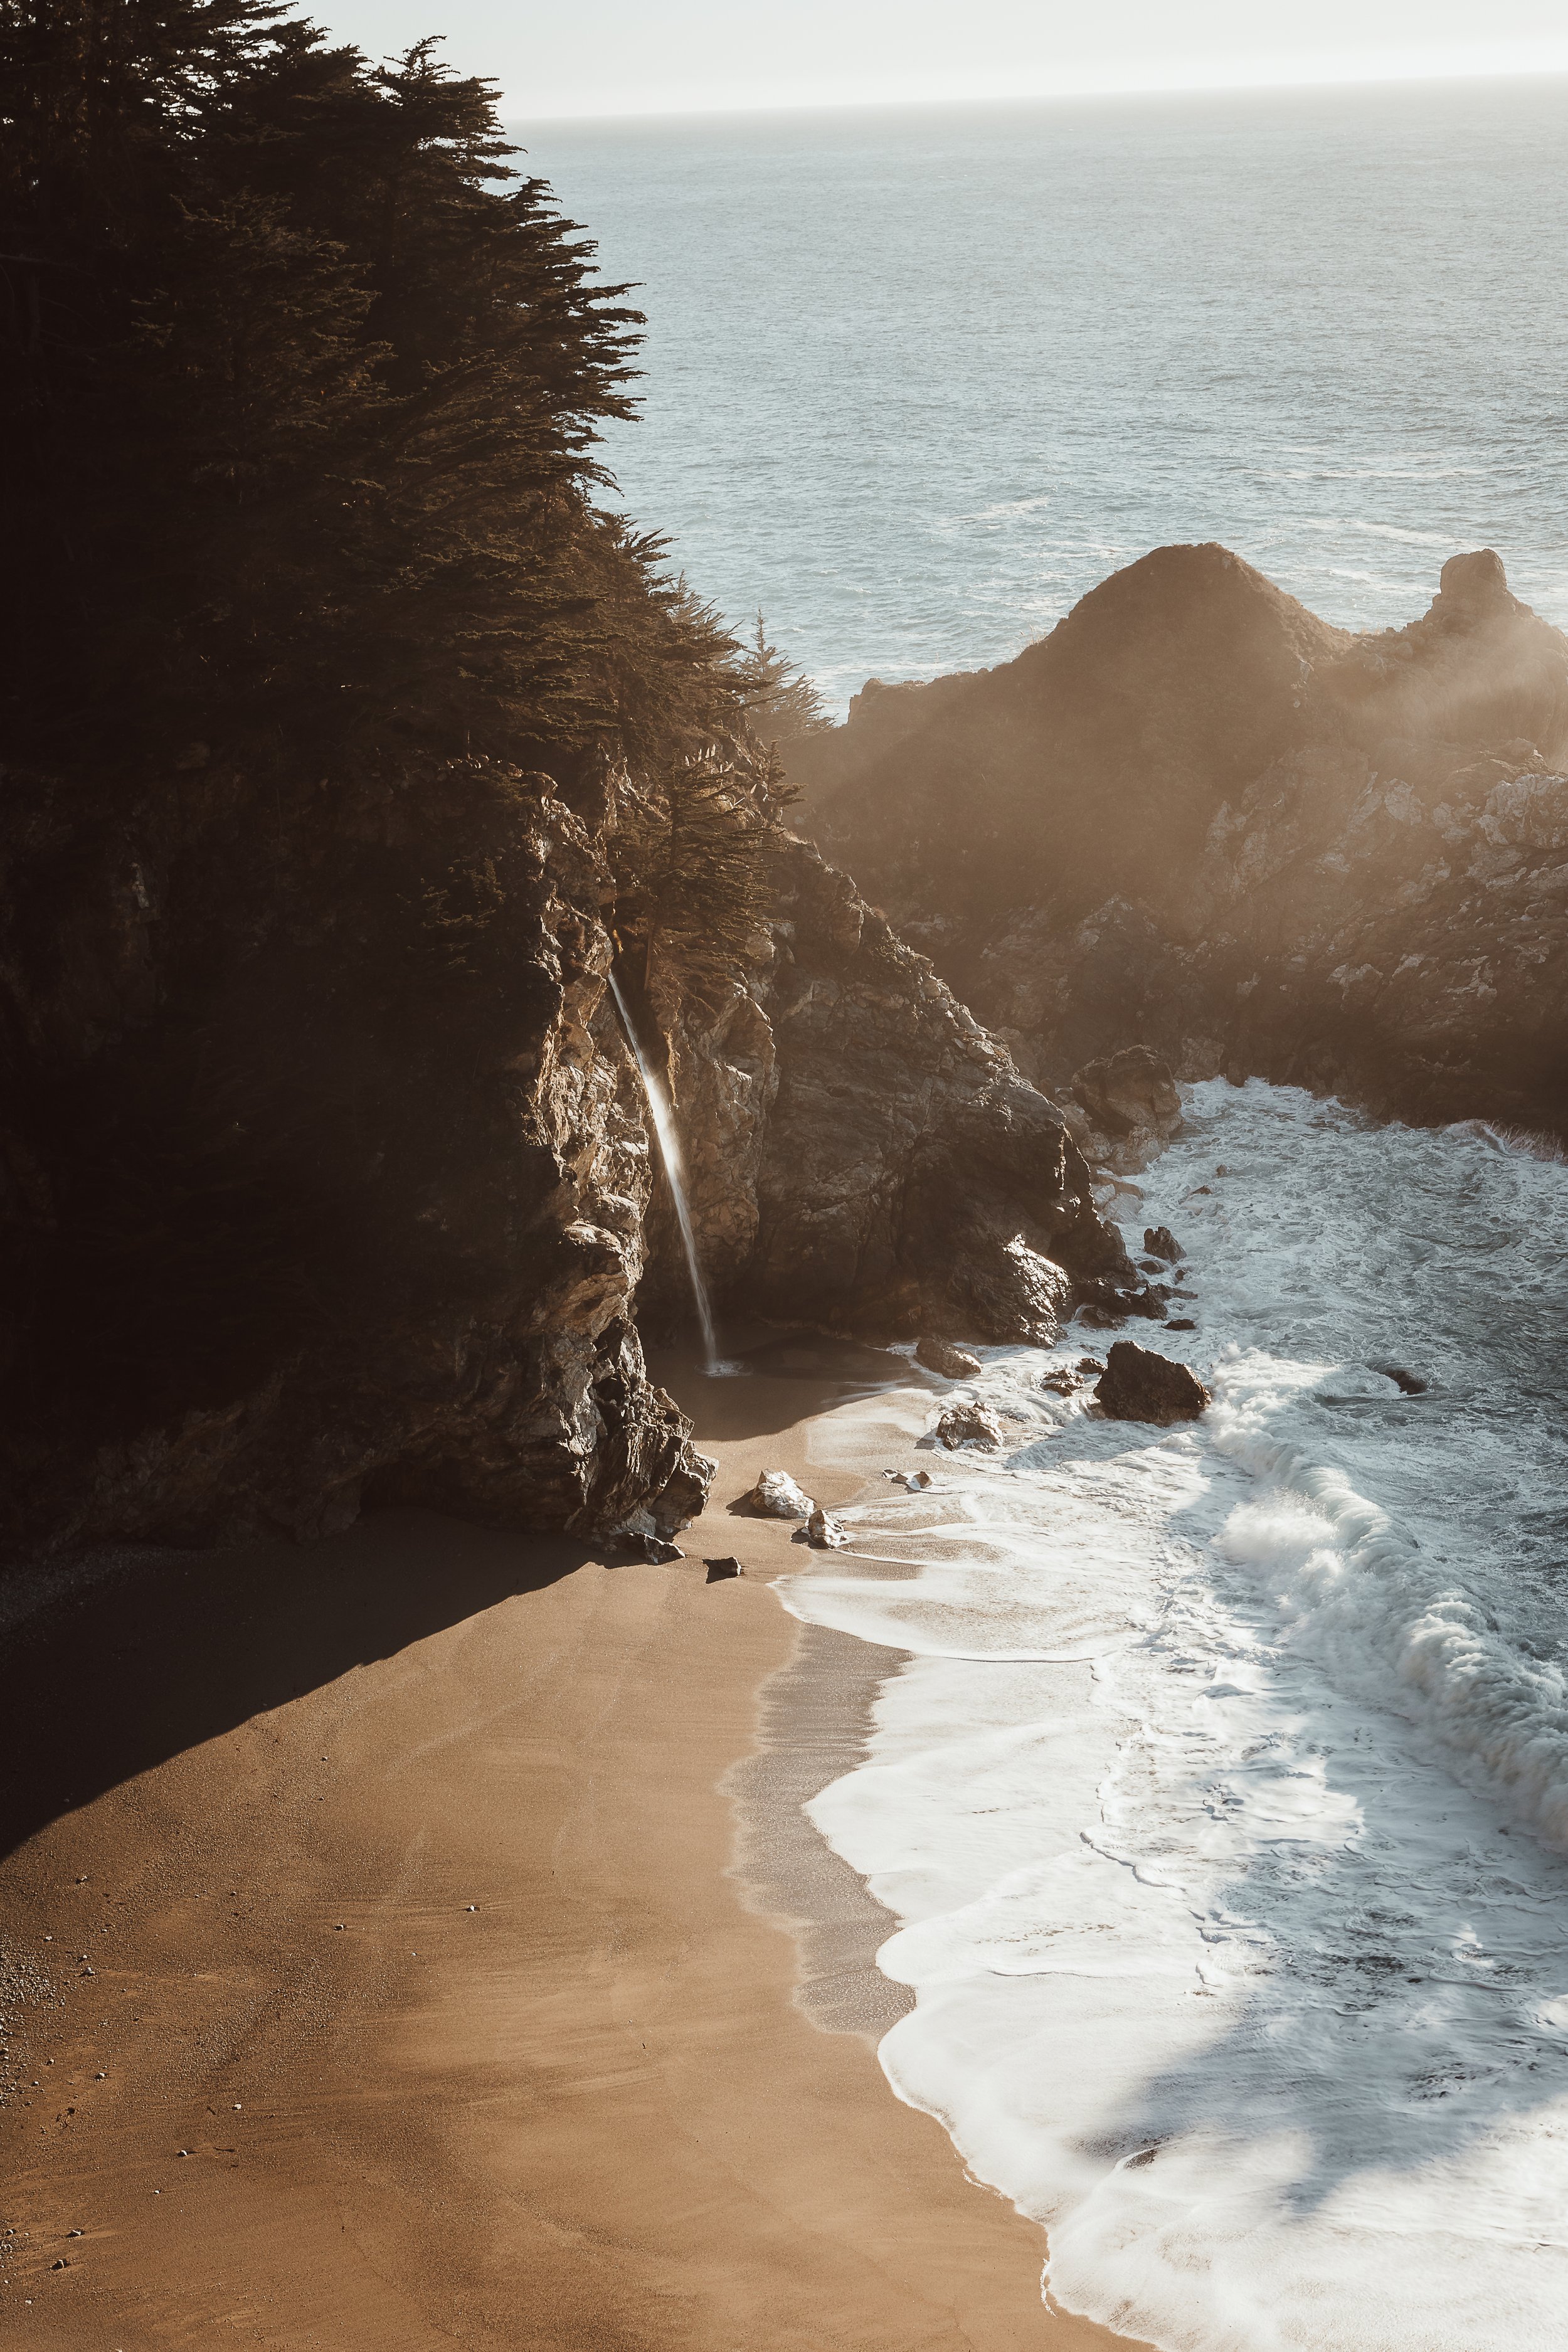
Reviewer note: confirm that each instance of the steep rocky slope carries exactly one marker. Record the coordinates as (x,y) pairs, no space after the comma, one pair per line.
(1197,817)
(861,1153)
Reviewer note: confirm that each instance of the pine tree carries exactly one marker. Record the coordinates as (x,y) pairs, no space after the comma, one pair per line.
(300,398)
(781,700)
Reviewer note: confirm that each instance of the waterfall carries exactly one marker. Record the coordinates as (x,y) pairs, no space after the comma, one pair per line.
(669,1150)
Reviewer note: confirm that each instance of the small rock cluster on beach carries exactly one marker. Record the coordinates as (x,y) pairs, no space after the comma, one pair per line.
(777,1496)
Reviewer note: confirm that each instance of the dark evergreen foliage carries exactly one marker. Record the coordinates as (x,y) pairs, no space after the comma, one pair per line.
(302,387)
(781,700)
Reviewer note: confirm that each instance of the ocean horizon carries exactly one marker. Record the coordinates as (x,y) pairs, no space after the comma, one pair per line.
(916,378)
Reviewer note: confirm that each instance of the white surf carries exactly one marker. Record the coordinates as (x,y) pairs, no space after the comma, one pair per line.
(1223,1790)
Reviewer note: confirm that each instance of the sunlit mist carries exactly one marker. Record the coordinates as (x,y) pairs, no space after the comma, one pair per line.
(620,57)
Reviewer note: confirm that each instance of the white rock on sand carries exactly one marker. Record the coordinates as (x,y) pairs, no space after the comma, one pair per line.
(775,1496)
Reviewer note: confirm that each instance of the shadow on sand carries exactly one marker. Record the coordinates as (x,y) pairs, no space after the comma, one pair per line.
(143,1653)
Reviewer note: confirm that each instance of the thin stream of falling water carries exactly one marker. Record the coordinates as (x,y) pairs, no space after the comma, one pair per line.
(669,1149)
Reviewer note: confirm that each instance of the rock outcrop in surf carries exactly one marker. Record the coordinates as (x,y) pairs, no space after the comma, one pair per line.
(1197,817)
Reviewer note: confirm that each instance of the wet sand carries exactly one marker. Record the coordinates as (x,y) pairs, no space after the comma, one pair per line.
(389,1881)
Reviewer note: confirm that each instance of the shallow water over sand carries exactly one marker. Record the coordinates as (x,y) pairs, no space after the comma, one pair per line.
(1223,1790)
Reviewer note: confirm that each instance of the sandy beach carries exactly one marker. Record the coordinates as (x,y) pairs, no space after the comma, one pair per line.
(375,1972)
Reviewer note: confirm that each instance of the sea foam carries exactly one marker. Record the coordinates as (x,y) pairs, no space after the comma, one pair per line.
(1222,1788)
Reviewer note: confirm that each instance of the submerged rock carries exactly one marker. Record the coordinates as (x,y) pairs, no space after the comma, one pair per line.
(968,1424)
(1138,1384)
(1162,1242)
(776,1496)
(1104,1304)
(1411,1384)
(953,1363)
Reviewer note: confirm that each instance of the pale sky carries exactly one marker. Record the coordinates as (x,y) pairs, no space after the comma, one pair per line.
(669,57)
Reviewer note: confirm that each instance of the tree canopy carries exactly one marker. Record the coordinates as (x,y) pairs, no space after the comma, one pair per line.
(304,377)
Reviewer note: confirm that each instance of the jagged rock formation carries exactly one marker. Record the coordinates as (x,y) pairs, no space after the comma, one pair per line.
(859,1153)
(1124,1109)
(348,739)
(1137,1384)
(1196,817)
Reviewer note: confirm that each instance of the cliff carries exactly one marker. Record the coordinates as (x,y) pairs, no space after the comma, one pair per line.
(860,1154)
(347,742)
(329,1179)
(1197,817)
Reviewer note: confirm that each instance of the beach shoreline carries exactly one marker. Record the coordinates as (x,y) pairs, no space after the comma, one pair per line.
(396,1882)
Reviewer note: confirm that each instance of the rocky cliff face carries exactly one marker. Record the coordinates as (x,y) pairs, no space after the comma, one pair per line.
(861,1153)
(1197,817)
(332,1196)
(334,1185)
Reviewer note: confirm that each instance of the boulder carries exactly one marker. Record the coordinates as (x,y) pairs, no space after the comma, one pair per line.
(1128,1092)
(953,1363)
(775,1496)
(1161,1242)
(1137,1384)
(969,1424)
(654,1550)
(718,1569)
(825,1534)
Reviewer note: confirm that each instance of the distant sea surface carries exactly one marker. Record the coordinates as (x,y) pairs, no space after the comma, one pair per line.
(917,379)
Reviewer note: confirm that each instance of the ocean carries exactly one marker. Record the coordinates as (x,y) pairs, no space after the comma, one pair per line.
(1218,1781)
(1217,1786)
(917,379)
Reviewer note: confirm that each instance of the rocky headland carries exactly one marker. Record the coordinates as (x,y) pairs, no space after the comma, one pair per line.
(1198,818)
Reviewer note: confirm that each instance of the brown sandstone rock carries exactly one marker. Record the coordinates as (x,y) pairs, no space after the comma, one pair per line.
(953,1363)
